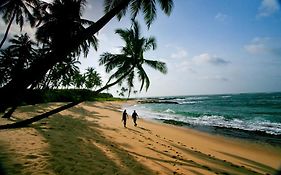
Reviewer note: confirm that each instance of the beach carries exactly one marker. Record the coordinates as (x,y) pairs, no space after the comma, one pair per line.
(90,139)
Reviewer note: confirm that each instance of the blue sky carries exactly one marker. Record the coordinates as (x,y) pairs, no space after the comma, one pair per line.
(210,47)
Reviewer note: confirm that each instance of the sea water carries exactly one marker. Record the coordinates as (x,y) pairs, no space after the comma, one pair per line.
(250,112)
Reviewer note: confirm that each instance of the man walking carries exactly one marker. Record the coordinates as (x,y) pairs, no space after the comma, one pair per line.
(124,118)
(134,116)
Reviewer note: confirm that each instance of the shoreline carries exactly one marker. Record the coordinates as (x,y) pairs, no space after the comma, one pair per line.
(256,136)
(90,138)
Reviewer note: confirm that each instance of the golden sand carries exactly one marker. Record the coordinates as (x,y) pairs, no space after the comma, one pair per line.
(90,139)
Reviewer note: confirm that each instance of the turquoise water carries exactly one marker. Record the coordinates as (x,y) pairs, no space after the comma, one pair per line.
(246,112)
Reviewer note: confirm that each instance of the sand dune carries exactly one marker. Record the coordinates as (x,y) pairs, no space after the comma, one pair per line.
(90,139)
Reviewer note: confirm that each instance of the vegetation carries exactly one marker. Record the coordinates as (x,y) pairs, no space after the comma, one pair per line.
(62,35)
(130,61)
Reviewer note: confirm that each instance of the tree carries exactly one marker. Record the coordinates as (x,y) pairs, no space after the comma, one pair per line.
(130,61)
(7,64)
(61,22)
(39,68)
(17,57)
(92,78)
(17,9)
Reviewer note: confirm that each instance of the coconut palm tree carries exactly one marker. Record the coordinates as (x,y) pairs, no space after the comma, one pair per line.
(92,77)
(129,63)
(113,8)
(16,57)
(61,22)
(7,64)
(23,48)
(19,10)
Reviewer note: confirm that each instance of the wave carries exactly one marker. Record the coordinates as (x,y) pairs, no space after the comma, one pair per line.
(169,111)
(256,124)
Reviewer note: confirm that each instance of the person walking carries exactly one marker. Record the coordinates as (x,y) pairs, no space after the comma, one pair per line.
(134,116)
(124,118)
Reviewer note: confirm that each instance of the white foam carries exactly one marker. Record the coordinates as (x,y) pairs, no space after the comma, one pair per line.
(169,111)
(257,124)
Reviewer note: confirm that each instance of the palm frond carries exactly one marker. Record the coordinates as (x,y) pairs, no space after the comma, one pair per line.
(157,65)
(150,43)
(166,6)
(143,78)
(149,11)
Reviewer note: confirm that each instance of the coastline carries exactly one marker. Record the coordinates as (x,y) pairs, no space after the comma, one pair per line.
(105,146)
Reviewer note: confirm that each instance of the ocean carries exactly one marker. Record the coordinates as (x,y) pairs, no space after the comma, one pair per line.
(248,115)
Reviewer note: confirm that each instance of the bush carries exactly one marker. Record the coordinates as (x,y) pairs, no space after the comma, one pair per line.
(62,95)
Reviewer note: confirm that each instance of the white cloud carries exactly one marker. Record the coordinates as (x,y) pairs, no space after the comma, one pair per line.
(216,78)
(181,53)
(263,45)
(268,7)
(184,66)
(221,17)
(211,59)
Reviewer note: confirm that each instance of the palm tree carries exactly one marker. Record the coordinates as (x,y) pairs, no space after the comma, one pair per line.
(61,22)
(114,7)
(62,74)
(79,80)
(147,7)
(7,64)
(23,50)
(16,57)
(130,61)
(17,9)
(92,77)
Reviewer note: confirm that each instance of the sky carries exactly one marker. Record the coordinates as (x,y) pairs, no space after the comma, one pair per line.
(210,47)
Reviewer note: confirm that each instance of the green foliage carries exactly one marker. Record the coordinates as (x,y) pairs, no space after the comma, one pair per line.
(62,95)
(128,65)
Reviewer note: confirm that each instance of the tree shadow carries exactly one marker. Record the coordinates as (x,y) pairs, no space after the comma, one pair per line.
(218,165)
(82,149)
(8,165)
(252,163)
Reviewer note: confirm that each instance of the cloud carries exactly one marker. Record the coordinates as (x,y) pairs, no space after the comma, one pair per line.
(185,66)
(216,78)
(221,17)
(264,45)
(210,59)
(193,65)
(268,7)
(181,53)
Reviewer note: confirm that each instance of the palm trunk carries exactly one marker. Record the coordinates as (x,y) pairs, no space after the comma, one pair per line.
(8,28)
(114,83)
(37,70)
(10,112)
(27,122)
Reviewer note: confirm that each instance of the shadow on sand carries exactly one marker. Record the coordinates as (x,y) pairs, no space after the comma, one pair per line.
(76,146)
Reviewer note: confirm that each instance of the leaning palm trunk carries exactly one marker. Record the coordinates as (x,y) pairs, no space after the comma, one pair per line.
(8,29)
(27,122)
(11,93)
(115,82)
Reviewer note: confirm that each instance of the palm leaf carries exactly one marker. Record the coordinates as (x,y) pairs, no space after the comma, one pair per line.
(157,65)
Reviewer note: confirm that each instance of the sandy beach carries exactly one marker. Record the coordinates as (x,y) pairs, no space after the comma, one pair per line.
(90,139)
